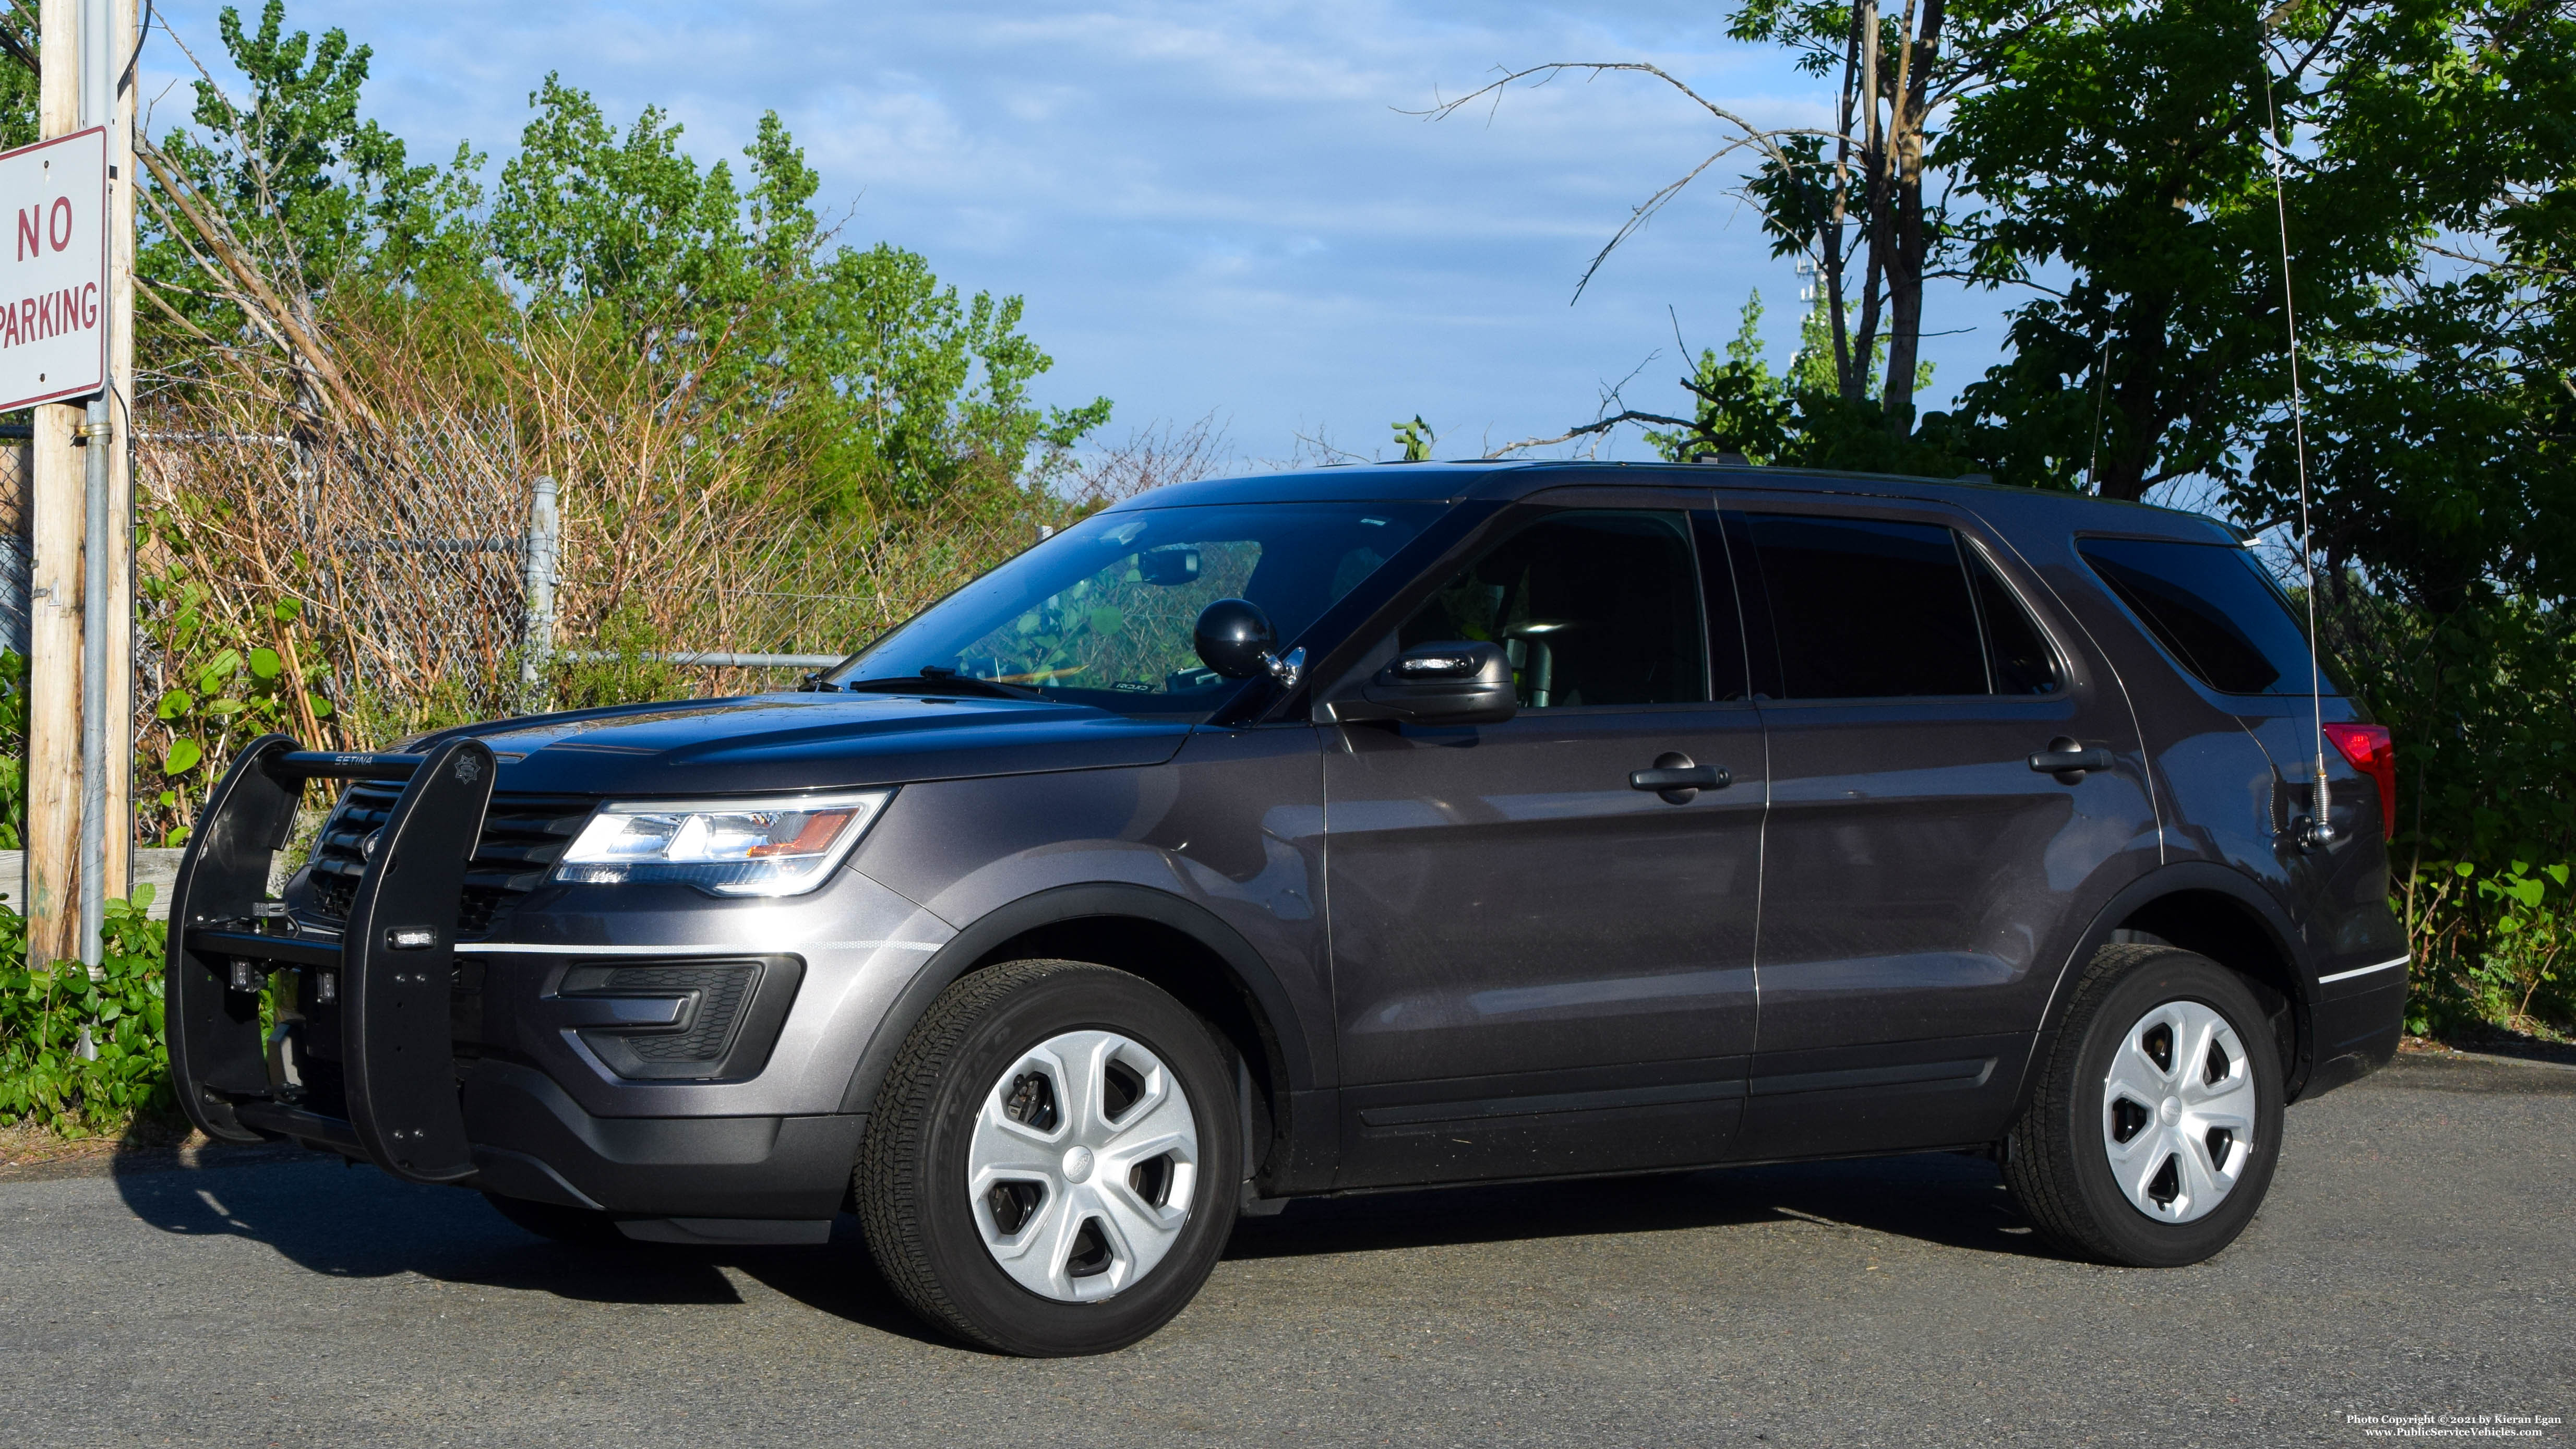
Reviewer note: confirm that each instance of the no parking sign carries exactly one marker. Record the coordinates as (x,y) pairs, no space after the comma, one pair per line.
(53,269)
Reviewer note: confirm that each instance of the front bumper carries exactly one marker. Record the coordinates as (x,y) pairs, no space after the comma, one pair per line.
(532,1140)
(623,1050)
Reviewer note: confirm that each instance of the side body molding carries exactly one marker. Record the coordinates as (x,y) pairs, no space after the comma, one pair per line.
(2197,876)
(1304,1136)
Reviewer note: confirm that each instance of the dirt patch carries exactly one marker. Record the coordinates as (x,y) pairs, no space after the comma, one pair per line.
(32,1154)
(2489,1040)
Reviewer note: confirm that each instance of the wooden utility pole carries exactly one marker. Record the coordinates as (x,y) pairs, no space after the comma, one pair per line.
(56,497)
(80,631)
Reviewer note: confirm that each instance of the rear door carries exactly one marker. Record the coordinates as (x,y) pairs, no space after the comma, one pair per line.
(1539,969)
(1915,861)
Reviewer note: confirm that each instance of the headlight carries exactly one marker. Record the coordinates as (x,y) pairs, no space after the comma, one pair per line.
(783,846)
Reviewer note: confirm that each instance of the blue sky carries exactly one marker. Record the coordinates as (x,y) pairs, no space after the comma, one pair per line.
(1212,208)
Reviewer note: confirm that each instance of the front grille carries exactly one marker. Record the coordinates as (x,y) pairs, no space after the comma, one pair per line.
(523,836)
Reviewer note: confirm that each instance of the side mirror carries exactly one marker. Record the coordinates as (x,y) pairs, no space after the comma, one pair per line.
(1452,683)
(1235,639)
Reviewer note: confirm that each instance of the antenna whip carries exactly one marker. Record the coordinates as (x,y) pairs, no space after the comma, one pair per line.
(2320,825)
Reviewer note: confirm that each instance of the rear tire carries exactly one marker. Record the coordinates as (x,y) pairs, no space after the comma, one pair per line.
(2152,1134)
(1051,1165)
(585,1227)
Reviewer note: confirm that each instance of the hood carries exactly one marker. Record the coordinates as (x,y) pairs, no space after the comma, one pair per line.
(810,741)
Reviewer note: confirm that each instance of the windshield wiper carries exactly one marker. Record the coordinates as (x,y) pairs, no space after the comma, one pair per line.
(935,680)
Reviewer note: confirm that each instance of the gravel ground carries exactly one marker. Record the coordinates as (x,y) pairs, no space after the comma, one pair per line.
(2413,1260)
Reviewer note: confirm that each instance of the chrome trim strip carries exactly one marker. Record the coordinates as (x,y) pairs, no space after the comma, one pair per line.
(516,948)
(2321,981)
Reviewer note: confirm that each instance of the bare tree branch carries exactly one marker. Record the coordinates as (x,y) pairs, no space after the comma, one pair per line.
(218,238)
(1602,425)
(1766,139)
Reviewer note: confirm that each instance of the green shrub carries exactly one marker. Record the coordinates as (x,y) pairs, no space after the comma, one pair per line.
(83,1053)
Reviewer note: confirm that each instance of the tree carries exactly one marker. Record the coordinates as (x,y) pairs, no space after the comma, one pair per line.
(584,217)
(19,74)
(2123,162)
(1852,198)
(310,189)
(882,389)
(1743,408)
(1867,201)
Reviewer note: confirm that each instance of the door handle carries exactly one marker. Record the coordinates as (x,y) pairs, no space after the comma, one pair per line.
(1677,779)
(2069,761)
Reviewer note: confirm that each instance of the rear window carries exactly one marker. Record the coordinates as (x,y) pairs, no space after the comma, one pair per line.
(2214,610)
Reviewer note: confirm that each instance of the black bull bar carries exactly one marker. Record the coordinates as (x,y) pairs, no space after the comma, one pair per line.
(392,968)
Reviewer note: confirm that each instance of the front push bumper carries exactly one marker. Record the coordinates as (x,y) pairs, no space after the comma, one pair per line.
(374,1008)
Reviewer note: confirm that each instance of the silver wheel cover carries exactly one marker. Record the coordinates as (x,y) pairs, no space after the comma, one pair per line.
(1127,1179)
(2178,1112)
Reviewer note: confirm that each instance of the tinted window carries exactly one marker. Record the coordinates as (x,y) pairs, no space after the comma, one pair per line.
(1594,607)
(1726,672)
(1865,609)
(2018,659)
(2211,607)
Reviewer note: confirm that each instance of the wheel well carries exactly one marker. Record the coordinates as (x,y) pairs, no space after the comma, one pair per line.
(2228,932)
(1195,975)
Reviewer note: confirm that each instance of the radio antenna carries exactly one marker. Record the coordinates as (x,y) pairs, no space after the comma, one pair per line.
(2320,824)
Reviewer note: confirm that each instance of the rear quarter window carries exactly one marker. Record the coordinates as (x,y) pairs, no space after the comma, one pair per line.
(2212,608)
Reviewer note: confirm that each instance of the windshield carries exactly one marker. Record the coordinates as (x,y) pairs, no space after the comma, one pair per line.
(1101,614)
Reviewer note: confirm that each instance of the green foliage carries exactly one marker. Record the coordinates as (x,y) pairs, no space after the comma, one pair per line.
(318,194)
(2124,144)
(80,1053)
(1415,438)
(896,395)
(908,399)
(585,216)
(2481,702)
(2496,943)
(1741,407)
(882,390)
(233,679)
(1799,418)
(18,80)
(13,750)
(626,673)
(2124,156)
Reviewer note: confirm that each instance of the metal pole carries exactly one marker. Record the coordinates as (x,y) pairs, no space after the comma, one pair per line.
(118,319)
(98,59)
(94,725)
(537,644)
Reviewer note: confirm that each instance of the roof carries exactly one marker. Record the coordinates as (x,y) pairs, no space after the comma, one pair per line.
(1448,482)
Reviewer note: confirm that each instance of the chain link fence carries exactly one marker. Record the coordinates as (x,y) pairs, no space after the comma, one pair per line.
(17,538)
(443,576)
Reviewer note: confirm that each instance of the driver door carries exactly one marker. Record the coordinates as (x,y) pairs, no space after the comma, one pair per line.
(1539,969)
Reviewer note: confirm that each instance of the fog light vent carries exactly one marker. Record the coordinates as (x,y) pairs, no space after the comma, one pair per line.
(721,989)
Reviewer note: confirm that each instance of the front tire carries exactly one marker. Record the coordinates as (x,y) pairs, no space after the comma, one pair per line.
(2152,1134)
(1049,1167)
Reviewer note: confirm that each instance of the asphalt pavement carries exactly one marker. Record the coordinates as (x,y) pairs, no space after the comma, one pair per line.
(2413,1263)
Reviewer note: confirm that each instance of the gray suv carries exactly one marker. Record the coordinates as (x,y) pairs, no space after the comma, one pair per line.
(1342,831)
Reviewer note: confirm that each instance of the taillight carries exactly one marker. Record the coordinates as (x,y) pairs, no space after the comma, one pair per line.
(2370,751)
